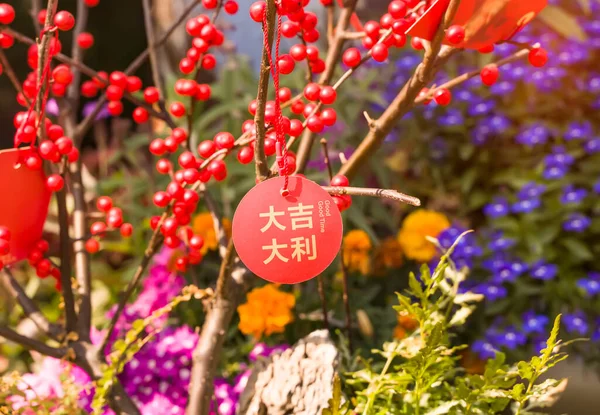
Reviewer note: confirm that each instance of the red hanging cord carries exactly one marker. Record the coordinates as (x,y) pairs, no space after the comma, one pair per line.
(281,147)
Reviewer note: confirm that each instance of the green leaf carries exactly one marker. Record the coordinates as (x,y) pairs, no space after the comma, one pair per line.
(578,249)
(551,342)
(336,400)
(563,22)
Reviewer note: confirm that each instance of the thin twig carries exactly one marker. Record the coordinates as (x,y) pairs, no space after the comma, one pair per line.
(262,170)
(36,6)
(320,282)
(380,193)
(404,101)
(346,299)
(31,310)
(77,54)
(157,77)
(31,344)
(217,222)
(8,69)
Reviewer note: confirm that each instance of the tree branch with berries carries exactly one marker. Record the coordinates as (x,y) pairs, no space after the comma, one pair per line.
(277,135)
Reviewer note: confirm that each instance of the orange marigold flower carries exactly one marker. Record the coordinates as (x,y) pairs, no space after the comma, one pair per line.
(267,310)
(357,246)
(388,255)
(406,324)
(415,228)
(203,225)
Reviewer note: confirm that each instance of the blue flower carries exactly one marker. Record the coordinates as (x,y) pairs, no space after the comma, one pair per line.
(526,206)
(481,108)
(451,118)
(498,208)
(535,323)
(596,187)
(491,292)
(590,285)
(531,190)
(511,338)
(573,195)
(555,172)
(577,222)
(484,349)
(576,323)
(592,146)
(578,130)
(533,134)
(544,271)
(500,242)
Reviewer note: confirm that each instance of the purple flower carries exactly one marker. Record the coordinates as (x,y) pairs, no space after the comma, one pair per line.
(526,206)
(491,292)
(451,118)
(531,190)
(592,146)
(500,242)
(510,338)
(577,222)
(596,187)
(498,208)
(544,271)
(573,195)
(52,108)
(555,172)
(590,285)
(578,130)
(535,323)
(484,349)
(533,134)
(90,106)
(576,323)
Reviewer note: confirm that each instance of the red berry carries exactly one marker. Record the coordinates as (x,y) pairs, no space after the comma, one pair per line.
(351,57)
(115,108)
(151,95)
(187,66)
(187,160)
(181,264)
(286,64)
(231,7)
(134,84)
(328,116)
(327,95)
(7,14)
(64,21)
(140,115)
(98,228)
(114,93)
(340,181)
(62,75)
(442,96)
(92,3)
(163,166)
(245,155)
(196,242)
(5,233)
(157,147)
(177,109)
(55,182)
(207,148)
(315,124)
(104,204)
(218,169)
(298,52)
(224,140)
(397,9)
(380,52)
(487,49)
(92,246)
(209,62)
(161,199)
(455,34)
(126,230)
(417,43)
(312,91)
(489,74)
(538,57)
(85,40)
(64,145)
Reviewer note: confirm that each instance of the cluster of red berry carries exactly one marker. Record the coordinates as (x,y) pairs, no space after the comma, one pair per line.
(113,221)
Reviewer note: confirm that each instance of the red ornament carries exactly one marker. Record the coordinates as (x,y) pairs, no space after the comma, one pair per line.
(287,239)
(507,20)
(21,213)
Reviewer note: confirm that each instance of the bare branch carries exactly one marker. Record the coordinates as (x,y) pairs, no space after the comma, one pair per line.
(77,55)
(380,193)
(31,310)
(31,344)
(217,222)
(229,292)
(157,77)
(11,75)
(262,170)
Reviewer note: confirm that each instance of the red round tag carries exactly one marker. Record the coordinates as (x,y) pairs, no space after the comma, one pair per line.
(287,239)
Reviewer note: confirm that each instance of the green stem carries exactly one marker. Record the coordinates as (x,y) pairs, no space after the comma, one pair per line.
(372,395)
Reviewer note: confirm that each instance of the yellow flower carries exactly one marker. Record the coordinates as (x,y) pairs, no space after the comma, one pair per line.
(415,228)
(387,255)
(203,225)
(357,246)
(267,310)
